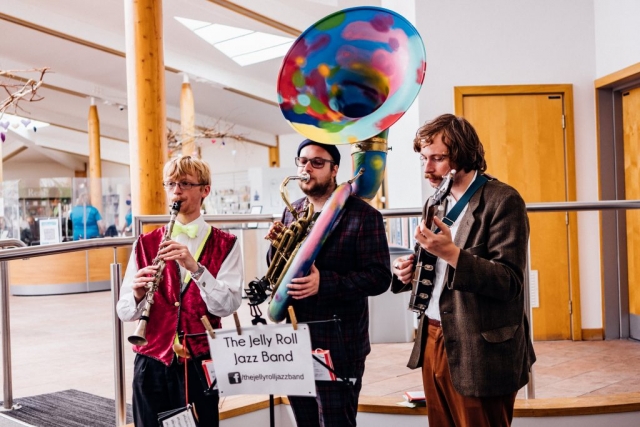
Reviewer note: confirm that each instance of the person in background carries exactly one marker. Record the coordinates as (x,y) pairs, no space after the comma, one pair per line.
(86,219)
(473,341)
(203,275)
(30,232)
(128,219)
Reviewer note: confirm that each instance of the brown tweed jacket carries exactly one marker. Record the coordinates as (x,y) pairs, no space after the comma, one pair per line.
(485,329)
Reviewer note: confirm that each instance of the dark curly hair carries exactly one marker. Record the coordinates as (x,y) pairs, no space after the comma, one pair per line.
(465,149)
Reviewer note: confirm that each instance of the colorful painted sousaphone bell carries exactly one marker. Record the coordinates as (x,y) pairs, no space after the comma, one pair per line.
(346,80)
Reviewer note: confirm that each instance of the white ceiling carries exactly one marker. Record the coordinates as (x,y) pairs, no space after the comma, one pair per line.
(83,44)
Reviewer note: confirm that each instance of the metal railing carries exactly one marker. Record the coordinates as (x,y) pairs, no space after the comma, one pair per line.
(139,222)
(6,325)
(25,252)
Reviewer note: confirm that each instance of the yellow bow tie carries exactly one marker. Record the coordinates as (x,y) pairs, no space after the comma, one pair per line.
(189,230)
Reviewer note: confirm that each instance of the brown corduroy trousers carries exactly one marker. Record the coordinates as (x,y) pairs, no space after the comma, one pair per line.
(445,406)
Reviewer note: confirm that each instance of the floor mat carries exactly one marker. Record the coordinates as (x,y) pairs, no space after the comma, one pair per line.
(68,408)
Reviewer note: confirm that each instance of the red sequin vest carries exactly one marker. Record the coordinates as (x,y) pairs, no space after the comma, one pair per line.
(173,311)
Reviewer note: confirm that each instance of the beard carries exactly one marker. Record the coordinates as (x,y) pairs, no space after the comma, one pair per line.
(317,189)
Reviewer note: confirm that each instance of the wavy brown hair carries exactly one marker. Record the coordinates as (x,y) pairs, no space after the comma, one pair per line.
(465,149)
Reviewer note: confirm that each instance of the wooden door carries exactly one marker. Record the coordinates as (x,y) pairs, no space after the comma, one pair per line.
(524,140)
(631,132)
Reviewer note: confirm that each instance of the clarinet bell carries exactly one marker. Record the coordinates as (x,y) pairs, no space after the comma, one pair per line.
(181,351)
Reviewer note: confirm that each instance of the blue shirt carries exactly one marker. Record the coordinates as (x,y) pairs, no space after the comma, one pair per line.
(78,215)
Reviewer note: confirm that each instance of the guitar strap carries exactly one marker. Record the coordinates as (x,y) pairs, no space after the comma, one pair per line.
(457,209)
(424,289)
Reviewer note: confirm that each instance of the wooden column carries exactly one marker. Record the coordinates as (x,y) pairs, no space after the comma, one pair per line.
(146,105)
(95,162)
(188,120)
(274,154)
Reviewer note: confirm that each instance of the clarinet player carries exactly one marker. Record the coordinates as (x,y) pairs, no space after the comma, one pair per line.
(202,275)
(473,340)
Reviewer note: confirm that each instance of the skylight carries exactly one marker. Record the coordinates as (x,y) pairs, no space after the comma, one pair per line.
(245,47)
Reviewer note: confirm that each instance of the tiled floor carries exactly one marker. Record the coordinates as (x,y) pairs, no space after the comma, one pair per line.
(64,342)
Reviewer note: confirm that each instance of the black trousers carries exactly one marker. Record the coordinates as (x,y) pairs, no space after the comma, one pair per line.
(336,403)
(158,388)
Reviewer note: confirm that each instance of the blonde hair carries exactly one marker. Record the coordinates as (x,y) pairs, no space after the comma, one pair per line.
(187,165)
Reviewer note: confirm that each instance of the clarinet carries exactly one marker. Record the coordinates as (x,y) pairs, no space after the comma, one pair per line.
(424,262)
(139,335)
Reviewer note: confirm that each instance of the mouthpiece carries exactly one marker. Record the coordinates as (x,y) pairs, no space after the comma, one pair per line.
(304,177)
(175,207)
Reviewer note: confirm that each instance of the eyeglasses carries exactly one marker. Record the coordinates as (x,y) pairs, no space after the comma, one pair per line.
(170,185)
(436,158)
(316,162)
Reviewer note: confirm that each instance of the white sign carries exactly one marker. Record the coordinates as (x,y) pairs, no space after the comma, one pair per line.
(533,289)
(265,359)
(49,231)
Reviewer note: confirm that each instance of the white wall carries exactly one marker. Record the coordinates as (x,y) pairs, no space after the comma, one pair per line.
(32,172)
(494,42)
(114,170)
(617,34)
(234,156)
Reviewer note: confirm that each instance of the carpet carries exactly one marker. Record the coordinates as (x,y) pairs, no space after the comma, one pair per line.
(68,408)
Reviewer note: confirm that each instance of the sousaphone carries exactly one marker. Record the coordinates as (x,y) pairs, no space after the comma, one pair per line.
(346,80)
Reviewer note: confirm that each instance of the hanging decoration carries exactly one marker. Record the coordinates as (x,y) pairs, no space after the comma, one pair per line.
(213,134)
(23,91)
(18,89)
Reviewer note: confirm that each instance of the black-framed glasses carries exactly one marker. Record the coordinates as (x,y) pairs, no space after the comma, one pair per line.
(316,162)
(436,158)
(183,185)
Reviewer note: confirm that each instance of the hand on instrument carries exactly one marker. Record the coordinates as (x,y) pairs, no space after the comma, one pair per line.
(303,287)
(172,250)
(403,268)
(441,244)
(275,230)
(142,281)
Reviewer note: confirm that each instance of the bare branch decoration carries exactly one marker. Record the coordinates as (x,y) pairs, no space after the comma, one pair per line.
(17,92)
(176,138)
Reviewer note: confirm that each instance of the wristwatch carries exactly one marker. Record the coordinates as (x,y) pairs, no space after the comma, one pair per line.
(196,274)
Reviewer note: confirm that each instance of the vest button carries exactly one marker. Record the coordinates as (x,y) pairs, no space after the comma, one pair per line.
(177,304)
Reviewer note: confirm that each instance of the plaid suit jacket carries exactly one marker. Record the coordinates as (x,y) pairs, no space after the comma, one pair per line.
(485,329)
(354,265)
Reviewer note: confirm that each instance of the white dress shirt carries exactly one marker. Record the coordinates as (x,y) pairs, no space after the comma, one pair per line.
(221,294)
(433,310)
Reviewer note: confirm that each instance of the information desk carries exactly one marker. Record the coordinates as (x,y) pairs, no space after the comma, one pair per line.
(68,273)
